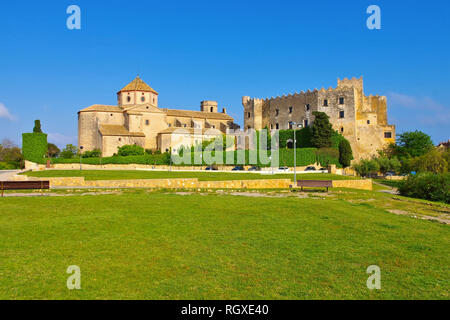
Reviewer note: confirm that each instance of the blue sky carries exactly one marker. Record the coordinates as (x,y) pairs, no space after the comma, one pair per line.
(219,50)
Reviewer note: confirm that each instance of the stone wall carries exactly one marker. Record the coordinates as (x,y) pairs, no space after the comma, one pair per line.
(188,183)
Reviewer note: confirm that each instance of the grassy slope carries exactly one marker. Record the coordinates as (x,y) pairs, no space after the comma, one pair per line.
(167,246)
(139,174)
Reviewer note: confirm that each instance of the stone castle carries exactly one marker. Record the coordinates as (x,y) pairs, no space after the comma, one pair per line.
(359,118)
(137,119)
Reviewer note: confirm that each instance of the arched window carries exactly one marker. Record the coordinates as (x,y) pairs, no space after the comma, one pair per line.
(342,129)
(128,99)
(142,98)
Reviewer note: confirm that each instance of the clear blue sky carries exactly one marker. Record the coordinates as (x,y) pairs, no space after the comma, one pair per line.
(219,50)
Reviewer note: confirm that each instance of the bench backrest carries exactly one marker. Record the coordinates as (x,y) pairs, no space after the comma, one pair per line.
(314,183)
(23,185)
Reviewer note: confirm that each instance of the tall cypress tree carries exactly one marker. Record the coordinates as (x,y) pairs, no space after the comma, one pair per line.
(322,130)
(37,126)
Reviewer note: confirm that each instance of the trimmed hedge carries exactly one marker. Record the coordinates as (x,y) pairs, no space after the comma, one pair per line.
(34,146)
(149,159)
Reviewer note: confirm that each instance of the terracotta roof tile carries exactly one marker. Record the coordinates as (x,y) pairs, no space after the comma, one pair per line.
(138,85)
(118,130)
(197,114)
(101,107)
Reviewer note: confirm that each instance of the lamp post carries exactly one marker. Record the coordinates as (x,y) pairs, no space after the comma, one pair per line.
(81,150)
(294,125)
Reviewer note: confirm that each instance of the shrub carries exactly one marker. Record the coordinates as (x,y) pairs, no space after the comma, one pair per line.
(96,153)
(34,146)
(428,186)
(130,150)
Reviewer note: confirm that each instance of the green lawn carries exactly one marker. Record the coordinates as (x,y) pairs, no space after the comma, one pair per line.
(153,245)
(204,176)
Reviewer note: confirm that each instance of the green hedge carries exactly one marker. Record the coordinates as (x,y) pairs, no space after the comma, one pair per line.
(34,146)
(159,159)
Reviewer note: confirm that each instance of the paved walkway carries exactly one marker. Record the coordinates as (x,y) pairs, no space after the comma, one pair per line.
(6,174)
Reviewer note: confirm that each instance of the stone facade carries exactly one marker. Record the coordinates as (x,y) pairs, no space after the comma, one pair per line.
(361,119)
(137,119)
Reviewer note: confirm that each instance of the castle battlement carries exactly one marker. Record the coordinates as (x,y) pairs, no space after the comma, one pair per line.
(361,119)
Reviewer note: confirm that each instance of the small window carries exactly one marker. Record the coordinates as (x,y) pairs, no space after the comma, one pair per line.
(212,109)
(153,100)
(290,109)
(128,99)
(341,114)
(111,114)
(325,103)
(341,100)
(184,125)
(306,123)
(368,121)
(169,125)
(248,114)
(213,126)
(271,126)
(342,129)
(276,112)
(120,139)
(248,127)
(388,135)
(290,125)
(307,107)
(147,122)
(142,98)
(277,126)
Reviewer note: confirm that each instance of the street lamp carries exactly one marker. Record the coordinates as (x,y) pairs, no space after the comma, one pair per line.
(81,150)
(295,125)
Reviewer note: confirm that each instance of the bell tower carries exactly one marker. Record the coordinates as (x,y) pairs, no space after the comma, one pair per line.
(137,92)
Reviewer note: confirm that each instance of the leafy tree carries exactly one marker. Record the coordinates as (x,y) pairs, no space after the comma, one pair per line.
(414,143)
(366,167)
(433,162)
(322,130)
(345,153)
(11,154)
(69,152)
(37,126)
(52,150)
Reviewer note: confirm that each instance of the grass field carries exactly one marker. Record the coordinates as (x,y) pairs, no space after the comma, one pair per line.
(202,176)
(156,245)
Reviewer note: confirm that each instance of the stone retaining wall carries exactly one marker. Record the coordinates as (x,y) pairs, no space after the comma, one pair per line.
(189,183)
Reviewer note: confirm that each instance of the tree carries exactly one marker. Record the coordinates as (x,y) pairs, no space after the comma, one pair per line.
(366,167)
(52,150)
(414,143)
(11,153)
(322,130)
(69,152)
(345,153)
(433,162)
(37,126)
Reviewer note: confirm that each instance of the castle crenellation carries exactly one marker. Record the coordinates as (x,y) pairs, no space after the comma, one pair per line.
(361,119)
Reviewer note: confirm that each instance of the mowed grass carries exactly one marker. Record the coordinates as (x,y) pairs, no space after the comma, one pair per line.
(143,245)
(202,176)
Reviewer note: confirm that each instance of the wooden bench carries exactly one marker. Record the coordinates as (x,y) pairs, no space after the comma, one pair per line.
(24,185)
(314,183)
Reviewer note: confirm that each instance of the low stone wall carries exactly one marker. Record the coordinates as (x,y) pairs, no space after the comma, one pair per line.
(188,183)
(353,184)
